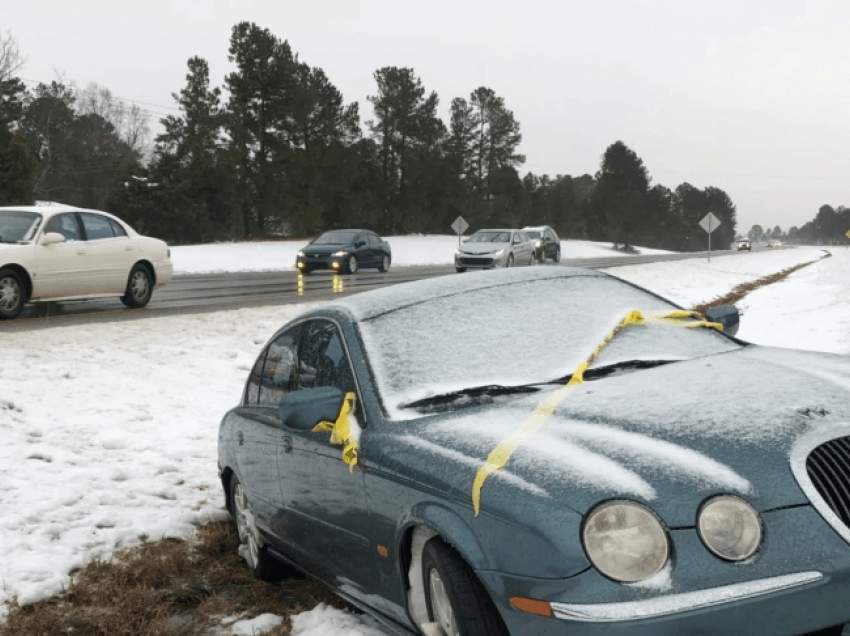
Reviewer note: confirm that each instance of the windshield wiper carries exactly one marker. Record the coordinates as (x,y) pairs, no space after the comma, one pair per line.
(609,369)
(486,391)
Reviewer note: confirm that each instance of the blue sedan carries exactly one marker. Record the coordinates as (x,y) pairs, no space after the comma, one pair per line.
(451,456)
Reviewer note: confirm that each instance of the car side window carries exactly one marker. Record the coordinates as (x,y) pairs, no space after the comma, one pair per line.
(66,225)
(279,369)
(117,229)
(374,241)
(97,227)
(322,360)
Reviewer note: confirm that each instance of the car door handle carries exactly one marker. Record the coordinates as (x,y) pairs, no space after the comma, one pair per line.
(287,444)
(240,438)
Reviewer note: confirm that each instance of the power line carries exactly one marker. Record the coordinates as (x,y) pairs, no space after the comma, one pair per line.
(123,99)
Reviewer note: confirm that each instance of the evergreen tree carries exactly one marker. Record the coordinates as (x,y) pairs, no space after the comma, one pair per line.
(619,199)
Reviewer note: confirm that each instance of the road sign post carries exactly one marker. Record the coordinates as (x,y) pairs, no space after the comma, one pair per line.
(709,223)
(459,226)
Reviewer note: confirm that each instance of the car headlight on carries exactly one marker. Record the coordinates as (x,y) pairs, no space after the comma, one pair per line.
(340,253)
(497,252)
(625,541)
(730,527)
(538,244)
(301,253)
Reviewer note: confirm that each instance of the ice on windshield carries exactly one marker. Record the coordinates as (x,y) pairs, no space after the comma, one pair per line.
(335,238)
(17,225)
(518,333)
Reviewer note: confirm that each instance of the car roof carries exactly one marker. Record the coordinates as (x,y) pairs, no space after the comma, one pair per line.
(537,228)
(371,304)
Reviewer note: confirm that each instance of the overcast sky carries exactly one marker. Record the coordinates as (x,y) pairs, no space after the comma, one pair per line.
(751,97)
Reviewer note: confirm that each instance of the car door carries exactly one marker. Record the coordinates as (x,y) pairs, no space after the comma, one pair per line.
(522,249)
(259,433)
(110,251)
(363,250)
(64,270)
(328,525)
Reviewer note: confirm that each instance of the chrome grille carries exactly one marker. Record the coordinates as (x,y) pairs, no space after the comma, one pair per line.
(828,468)
(475,260)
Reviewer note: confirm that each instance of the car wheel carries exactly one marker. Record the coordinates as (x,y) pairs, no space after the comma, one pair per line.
(139,287)
(460,270)
(454,597)
(12,293)
(255,555)
(557,257)
(352,264)
(510,262)
(540,257)
(385,264)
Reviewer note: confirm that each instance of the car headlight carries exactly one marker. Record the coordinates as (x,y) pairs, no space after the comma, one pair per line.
(340,253)
(625,541)
(538,244)
(497,252)
(730,527)
(301,253)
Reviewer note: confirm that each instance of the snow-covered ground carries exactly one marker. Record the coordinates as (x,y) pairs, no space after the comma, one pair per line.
(406,250)
(109,429)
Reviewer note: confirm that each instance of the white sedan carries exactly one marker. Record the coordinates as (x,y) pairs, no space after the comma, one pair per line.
(59,252)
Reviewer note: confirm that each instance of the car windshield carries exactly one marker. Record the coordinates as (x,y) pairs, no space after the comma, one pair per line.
(532,234)
(518,334)
(490,237)
(337,237)
(17,226)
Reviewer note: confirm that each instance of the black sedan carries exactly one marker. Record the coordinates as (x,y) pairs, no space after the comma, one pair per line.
(345,251)
(609,465)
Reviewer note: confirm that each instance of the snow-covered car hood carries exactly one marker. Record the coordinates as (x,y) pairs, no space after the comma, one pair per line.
(669,436)
(483,248)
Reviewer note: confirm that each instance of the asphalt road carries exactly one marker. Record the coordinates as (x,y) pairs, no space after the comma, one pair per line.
(196,293)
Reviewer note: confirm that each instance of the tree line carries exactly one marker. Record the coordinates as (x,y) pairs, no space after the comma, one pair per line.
(829,227)
(276,151)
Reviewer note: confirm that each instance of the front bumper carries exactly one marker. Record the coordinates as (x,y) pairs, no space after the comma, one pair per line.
(332,263)
(479,261)
(798,583)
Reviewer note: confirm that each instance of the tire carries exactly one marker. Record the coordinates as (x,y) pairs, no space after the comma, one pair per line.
(510,262)
(454,597)
(540,257)
(460,270)
(256,555)
(12,294)
(351,264)
(385,264)
(557,257)
(139,287)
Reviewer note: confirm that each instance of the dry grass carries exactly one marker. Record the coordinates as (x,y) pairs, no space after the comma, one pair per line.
(742,290)
(166,588)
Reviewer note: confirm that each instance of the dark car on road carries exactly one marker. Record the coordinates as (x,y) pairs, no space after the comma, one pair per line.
(546,243)
(345,251)
(546,451)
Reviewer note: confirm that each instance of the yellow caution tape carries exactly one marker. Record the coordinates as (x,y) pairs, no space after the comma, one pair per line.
(500,455)
(341,432)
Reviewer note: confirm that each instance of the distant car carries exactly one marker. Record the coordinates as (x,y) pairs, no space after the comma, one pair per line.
(345,251)
(772,243)
(546,243)
(59,252)
(485,453)
(487,249)
(744,244)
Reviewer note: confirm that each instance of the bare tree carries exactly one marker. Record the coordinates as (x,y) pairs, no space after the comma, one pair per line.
(11,60)
(131,123)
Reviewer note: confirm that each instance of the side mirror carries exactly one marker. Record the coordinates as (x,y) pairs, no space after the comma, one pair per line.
(50,238)
(726,315)
(360,244)
(305,408)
